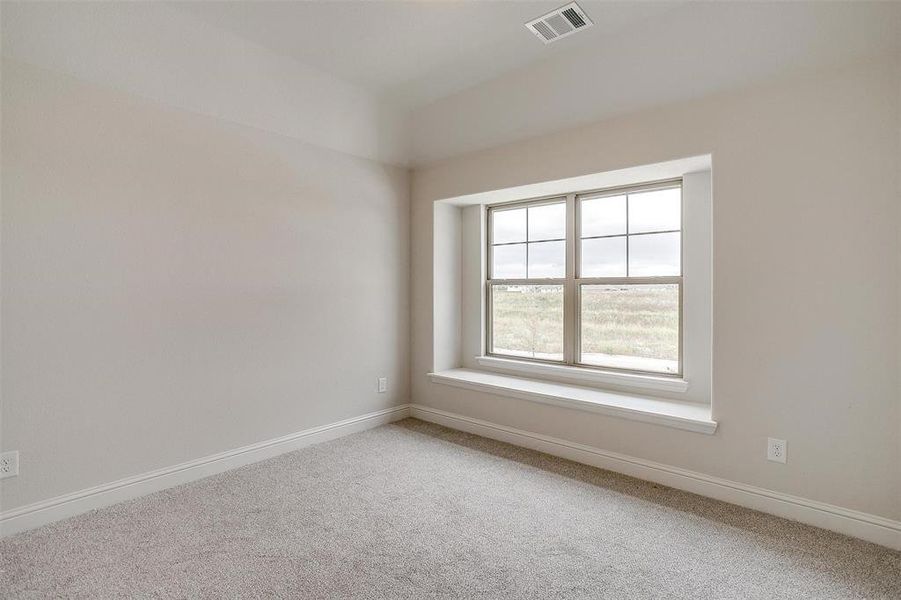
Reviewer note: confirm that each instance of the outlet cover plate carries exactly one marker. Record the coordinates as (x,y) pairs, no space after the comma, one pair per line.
(9,464)
(383,385)
(776,450)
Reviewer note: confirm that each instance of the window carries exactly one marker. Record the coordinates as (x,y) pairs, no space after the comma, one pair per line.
(589,279)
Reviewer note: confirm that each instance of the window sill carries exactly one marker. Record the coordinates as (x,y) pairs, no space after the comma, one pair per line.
(582,375)
(671,413)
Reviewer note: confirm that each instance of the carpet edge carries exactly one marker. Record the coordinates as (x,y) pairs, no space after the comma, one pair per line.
(865,526)
(68,505)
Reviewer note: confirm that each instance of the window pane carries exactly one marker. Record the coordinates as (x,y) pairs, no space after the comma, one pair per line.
(603,216)
(508,226)
(655,254)
(631,327)
(527,320)
(660,210)
(547,259)
(547,222)
(508,262)
(604,257)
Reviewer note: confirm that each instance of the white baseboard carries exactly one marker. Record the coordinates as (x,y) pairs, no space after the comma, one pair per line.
(819,514)
(827,516)
(61,507)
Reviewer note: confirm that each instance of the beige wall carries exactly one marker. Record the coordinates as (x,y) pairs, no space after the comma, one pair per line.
(805,280)
(175,285)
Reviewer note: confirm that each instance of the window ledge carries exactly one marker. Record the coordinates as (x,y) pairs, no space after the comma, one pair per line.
(671,413)
(583,375)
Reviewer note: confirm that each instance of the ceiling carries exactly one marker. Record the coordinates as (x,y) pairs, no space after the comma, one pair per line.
(414,53)
(691,51)
(414,82)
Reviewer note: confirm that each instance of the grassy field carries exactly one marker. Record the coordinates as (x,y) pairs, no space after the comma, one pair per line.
(637,320)
(528,319)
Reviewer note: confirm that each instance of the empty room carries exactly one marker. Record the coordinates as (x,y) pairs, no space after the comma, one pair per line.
(390,299)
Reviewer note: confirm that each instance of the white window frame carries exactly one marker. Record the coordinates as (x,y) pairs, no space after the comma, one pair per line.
(570,366)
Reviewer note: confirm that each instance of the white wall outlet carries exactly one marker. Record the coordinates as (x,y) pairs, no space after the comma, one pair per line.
(776,450)
(383,385)
(9,464)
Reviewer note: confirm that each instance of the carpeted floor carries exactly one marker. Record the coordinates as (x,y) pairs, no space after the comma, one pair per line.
(412,510)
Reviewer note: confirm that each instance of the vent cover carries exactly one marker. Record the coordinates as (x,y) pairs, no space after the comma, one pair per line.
(560,23)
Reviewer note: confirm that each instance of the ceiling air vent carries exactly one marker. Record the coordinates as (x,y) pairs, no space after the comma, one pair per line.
(560,23)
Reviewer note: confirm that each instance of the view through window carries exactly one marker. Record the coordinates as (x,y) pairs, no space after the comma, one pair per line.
(590,279)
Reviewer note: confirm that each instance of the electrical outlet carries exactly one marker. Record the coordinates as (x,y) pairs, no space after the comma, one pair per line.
(776,450)
(383,385)
(9,464)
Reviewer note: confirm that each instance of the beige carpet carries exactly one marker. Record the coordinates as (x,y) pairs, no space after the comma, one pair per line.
(413,510)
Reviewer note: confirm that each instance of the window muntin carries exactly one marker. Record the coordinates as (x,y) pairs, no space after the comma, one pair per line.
(645,223)
(607,294)
(528,241)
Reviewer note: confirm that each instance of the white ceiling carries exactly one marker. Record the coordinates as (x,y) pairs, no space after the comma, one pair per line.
(694,50)
(415,82)
(470,75)
(414,52)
